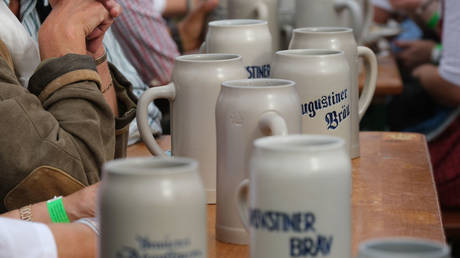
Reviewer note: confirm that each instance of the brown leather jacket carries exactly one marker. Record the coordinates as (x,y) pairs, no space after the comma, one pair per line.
(55,137)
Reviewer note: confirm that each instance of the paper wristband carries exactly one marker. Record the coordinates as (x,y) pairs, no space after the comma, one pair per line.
(434,20)
(57,211)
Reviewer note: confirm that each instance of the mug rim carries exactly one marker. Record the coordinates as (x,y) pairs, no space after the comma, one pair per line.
(150,166)
(322,52)
(300,143)
(368,248)
(323,30)
(201,58)
(261,83)
(232,23)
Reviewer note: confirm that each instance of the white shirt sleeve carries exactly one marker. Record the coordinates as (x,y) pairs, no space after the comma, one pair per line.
(159,5)
(384,4)
(450,62)
(22,239)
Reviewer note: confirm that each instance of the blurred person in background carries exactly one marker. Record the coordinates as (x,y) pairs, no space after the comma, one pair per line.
(151,43)
(430,100)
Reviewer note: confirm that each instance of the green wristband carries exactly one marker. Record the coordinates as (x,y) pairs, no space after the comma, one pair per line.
(57,211)
(434,20)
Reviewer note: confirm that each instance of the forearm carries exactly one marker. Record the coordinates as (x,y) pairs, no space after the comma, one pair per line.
(71,125)
(442,91)
(39,211)
(107,88)
(428,16)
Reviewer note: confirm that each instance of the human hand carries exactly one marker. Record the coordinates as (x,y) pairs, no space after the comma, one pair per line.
(406,5)
(94,40)
(81,204)
(71,22)
(192,27)
(415,52)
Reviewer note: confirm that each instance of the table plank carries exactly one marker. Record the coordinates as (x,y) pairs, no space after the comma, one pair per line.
(393,192)
(389,81)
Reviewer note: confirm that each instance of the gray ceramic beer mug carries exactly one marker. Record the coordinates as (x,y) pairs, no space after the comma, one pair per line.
(323,82)
(246,37)
(338,38)
(297,200)
(193,94)
(152,207)
(247,110)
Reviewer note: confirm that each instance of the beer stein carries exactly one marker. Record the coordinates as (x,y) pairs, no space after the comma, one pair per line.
(152,207)
(193,94)
(247,110)
(249,38)
(297,200)
(323,82)
(342,39)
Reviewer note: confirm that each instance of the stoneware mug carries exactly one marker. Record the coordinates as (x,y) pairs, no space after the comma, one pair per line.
(297,200)
(249,38)
(193,93)
(367,8)
(399,247)
(247,110)
(152,207)
(323,82)
(266,10)
(344,13)
(342,39)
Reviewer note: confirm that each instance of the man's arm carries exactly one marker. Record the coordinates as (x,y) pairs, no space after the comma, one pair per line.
(443,91)
(81,204)
(444,83)
(57,138)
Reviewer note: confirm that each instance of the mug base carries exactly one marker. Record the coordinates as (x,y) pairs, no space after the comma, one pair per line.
(211,196)
(237,236)
(355,153)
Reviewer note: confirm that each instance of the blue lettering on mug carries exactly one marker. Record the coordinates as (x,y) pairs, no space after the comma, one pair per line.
(308,246)
(332,118)
(311,244)
(279,221)
(167,248)
(262,71)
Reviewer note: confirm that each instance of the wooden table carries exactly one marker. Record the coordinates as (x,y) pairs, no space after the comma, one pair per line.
(393,192)
(389,80)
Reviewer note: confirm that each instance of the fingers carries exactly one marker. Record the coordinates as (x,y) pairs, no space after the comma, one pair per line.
(112,6)
(211,5)
(404,43)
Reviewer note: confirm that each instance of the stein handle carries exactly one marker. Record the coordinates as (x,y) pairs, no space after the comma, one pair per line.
(242,192)
(370,63)
(287,30)
(262,11)
(271,123)
(203,48)
(166,92)
(356,14)
(368,18)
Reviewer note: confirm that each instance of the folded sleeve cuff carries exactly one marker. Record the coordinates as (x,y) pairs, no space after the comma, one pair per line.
(52,74)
